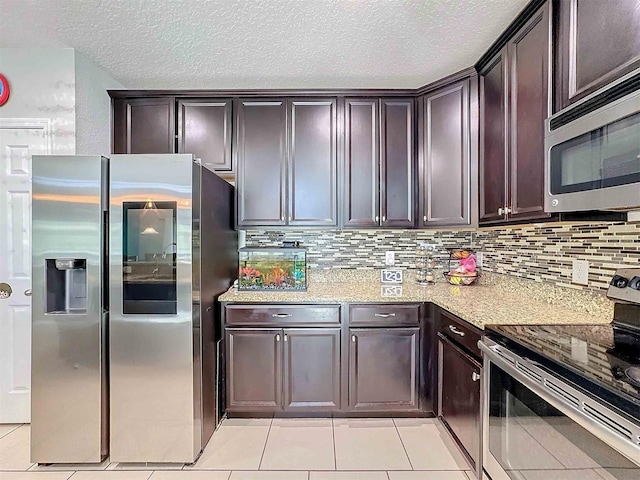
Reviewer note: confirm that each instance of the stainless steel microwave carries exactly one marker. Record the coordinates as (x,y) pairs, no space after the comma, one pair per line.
(593,163)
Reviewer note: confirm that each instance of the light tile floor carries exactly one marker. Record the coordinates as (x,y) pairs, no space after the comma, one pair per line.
(276,449)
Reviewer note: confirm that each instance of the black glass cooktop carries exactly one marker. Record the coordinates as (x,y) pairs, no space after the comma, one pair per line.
(602,360)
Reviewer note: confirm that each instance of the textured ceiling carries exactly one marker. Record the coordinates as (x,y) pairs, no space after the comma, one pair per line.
(264,43)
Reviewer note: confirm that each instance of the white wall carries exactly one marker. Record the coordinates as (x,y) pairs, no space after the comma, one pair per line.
(64,86)
(42,84)
(93,107)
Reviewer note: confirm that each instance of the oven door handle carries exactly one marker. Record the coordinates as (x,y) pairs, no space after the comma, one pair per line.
(605,424)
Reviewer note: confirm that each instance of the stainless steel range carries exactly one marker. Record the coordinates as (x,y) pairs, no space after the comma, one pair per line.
(563,401)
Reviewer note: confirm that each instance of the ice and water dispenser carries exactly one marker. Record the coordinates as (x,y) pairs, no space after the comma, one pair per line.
(66,286)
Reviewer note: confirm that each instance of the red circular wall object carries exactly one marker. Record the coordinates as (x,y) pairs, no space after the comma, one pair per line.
(4,90)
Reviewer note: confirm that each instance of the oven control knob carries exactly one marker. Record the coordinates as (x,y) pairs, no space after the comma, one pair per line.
(635,283)
(619,281)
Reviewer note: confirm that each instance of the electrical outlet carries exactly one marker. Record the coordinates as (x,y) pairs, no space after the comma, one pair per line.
(479,259)
(389,258)
(580,274)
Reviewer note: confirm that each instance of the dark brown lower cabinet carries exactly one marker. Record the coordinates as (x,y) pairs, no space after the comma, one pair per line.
(383,369)
(460,397)
(254,369)
(271,370)
(312,369)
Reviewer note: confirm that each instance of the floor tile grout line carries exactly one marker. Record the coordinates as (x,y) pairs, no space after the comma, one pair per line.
(335,456)
(402,443)
(388,477)
(264,449)
(11,431)
(230,472)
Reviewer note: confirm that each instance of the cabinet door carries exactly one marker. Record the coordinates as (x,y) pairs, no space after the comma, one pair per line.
(383,369)
(254,370)
(313,163)
(597,42)
(444,168)
(144,125)
(362,160)
(397,163)
(312,369)
(528,58)
(493,151)
(204,129)
(460,397)
(261,161)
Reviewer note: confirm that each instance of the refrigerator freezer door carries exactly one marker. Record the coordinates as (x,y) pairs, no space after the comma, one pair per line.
(68,400)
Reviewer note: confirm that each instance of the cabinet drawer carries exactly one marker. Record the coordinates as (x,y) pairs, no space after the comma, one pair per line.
(384,314)
(460,332)
(285,315)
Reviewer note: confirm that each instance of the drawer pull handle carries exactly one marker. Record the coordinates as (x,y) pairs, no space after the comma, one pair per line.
(280,315)
(278,338)
(475,376)
(286,337)
(456,331)
(353,338)
(384,315)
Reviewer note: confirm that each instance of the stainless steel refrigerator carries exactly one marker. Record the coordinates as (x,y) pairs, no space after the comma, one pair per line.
(171,251)
(69,403)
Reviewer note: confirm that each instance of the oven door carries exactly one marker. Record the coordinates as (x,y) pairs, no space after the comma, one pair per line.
(533,431)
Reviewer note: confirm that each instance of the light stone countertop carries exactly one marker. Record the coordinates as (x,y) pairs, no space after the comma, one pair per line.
(479,304)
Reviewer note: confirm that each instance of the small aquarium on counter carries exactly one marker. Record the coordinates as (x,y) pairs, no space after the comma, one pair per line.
(272,268)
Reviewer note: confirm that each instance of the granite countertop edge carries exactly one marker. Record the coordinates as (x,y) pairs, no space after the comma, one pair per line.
(479,305)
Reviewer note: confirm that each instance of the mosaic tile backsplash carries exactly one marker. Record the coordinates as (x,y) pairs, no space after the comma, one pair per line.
(540,252)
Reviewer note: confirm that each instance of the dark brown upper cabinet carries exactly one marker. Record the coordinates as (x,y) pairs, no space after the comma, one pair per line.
(446,148)
(312,163)
(597,42)
(204,129)
(286,162)
(261,160)
(379,163)
(514,104)
(144,125)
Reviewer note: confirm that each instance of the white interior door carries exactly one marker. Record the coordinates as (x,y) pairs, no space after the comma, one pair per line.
(19,140)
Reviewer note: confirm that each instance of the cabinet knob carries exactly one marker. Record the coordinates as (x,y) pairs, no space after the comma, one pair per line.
(278,338)
(286,337)
(353,338)
(289,217)
(384,218)
(507,210)
(377,218)
(475,376)
(282,219)
(455,330)
(501,211)
(424,218)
